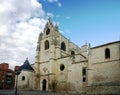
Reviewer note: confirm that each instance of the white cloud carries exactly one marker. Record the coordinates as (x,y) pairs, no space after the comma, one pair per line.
(50,15)
(52,1)
(20,26)
(55,1)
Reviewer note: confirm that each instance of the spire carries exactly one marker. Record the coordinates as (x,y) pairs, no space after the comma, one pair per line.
(26,66)
(56,27)
(49,21)
(26,61)
(88,50)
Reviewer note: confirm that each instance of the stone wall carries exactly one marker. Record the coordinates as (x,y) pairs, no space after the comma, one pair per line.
(103,90)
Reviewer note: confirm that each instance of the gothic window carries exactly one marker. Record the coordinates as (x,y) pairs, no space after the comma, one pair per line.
(23,77)
(72,52)
(84,71)
(107,53)
(63,47)
(46,44)
(48,31)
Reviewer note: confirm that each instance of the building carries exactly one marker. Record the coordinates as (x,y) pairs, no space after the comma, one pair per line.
(7,77)
(104,64)
(25,78)
(62,66)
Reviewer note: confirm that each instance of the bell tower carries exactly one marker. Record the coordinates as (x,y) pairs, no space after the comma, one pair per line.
(46,54)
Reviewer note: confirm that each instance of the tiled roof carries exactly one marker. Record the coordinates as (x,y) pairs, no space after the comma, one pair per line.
(26,66)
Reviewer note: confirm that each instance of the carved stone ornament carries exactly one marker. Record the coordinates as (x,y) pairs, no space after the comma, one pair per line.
(55,40)
(45,69)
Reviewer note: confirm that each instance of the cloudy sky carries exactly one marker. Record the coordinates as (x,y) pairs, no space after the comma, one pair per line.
(21,21)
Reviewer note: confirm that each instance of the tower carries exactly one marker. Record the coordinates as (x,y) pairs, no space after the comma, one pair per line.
(57,61)
(25,79)
(45,67)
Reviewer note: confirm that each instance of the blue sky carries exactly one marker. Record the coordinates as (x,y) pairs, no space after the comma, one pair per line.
(94,21)
(21,21)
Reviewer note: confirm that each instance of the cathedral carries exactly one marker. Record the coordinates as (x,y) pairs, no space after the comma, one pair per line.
(62,66)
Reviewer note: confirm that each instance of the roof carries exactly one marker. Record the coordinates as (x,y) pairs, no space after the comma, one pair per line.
(26,66)
(106,44)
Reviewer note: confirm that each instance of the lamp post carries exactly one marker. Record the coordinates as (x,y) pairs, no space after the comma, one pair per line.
(17,72)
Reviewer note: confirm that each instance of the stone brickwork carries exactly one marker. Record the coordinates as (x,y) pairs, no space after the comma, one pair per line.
(62,66)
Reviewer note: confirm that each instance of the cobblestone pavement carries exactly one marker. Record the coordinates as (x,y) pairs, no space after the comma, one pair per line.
(12,92)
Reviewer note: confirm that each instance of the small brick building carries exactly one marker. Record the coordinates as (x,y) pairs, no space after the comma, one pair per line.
(7,77)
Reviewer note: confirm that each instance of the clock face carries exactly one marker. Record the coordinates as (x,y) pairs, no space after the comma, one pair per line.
(48,31)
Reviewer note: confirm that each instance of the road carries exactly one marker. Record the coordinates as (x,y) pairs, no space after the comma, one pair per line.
(12,92)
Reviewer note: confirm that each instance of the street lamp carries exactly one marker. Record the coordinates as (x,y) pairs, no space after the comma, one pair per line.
(17,72)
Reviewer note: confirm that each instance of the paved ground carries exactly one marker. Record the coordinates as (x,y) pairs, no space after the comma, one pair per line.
(12,92)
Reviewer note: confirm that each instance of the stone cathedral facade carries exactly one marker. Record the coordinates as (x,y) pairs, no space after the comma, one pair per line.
(62,66)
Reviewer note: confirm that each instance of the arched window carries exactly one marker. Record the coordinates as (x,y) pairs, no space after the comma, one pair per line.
(63,47)
(46,44)
(84,71)
(23,77)
(72,52)
(107,53)
(48,31)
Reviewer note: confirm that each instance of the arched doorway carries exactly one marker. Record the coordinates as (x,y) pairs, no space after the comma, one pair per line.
(44,85)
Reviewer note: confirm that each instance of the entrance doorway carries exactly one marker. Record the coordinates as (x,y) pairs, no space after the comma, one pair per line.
(44,85)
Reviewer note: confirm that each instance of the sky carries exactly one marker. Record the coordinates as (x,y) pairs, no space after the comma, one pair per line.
(21,21)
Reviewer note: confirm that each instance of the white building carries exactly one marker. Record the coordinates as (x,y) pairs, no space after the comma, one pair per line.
(63,66)
(26,77)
